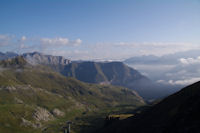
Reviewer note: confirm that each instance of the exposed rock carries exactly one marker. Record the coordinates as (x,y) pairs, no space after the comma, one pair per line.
(24,87)
(105,83)
(10,88)
(57,112)
(19,101)
(29,123)
(41,114)
(36,58)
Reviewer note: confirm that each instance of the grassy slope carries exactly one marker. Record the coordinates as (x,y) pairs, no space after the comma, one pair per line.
(38,86)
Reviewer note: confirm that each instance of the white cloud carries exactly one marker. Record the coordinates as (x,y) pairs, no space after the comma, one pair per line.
(77,42)
(184,81)
(157,48)
(189,61)
(102,50)
(59,41)
(54,41)
(5,39)
(23,38)
(123,50)
(73,54)
(153,44)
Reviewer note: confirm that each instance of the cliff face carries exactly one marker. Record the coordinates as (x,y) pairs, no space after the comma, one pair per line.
(36,58)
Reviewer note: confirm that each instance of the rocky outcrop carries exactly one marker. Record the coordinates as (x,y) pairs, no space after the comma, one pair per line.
(30,124)
(36,58)
(19,101)
(57,112)
(10,88)
(41,114)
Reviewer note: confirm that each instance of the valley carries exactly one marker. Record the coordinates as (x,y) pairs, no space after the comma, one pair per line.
(39,93)
(35,98)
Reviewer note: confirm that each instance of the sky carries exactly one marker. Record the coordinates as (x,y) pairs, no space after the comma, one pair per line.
(99,29)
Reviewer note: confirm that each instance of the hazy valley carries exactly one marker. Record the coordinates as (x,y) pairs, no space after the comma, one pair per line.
(39,93)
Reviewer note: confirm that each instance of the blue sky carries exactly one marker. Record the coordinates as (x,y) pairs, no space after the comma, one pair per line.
(99,29)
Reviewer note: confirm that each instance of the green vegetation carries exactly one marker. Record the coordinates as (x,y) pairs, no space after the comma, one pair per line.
(35,99)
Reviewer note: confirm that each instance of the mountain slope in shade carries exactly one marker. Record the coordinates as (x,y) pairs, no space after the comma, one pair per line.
(178,113)
(115,73)
(37,99)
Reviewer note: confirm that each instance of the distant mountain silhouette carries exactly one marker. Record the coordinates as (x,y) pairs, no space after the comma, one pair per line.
(7,55)
(165,59)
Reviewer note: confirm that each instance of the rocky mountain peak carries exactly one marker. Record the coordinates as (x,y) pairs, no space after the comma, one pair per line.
(39,58)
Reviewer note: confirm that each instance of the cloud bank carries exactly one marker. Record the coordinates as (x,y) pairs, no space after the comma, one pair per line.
(76,49)
(190,61)
(59,41)
(185,81)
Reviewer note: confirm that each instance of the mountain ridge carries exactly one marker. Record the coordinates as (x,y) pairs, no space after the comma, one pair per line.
(113,73)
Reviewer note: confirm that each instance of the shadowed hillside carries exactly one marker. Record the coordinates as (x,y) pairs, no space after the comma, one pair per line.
(178,113)
(115,73)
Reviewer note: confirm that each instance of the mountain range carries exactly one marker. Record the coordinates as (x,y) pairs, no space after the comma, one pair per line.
(35,98)
(113,73)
